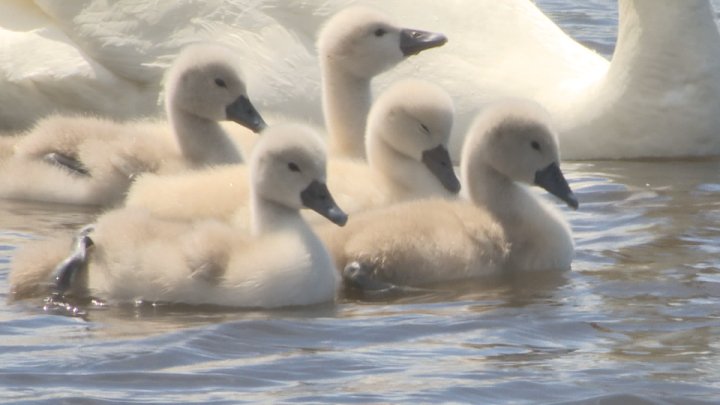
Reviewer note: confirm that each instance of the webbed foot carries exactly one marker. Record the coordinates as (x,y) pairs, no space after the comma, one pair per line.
(65,273)
(359,276)
(69,163)
(64,277)
(361,279)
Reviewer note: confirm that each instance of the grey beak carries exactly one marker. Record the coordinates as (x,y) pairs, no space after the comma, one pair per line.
(244,113)
(552,180)
(317,197)
(439,162)
(412,42)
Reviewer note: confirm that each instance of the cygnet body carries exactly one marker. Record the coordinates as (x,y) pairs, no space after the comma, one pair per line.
(139,257)
(407,134)
(90,160)
(504,227)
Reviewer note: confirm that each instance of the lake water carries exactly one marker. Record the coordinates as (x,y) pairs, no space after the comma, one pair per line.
(637,320)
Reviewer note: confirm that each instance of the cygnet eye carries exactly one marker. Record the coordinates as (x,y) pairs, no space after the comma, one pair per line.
(220,82)
(293,167)
(380,32)
(425,128)
(535,145)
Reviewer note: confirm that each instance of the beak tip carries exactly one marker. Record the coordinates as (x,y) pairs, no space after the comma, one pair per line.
(455,188)
(260,127)
(415,41)
(338,216)
(317,197)
(242,111)
(341,221)
(552,180)
(438,161)
(573,202)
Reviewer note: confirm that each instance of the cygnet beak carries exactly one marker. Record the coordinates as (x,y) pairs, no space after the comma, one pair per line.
(317,197)
(244,113)
(439,163)
(551,179)
(412,42)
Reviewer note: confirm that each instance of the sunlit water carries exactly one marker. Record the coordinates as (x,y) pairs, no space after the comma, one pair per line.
(636,321)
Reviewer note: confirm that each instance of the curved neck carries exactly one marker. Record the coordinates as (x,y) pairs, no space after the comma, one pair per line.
(346,102)
(512,204)
(539,238)
(487,187)
(202,141)
(662,83)
(665,42)
(268,216)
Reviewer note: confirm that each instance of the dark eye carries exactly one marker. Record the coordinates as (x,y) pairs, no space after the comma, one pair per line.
(293,167)
(425,128)
(220,82)
(535,145)
(380,32)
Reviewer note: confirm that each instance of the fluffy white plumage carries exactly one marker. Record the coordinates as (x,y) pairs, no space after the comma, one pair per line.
(503,228)
(110,154)
(408,119)
(140,257)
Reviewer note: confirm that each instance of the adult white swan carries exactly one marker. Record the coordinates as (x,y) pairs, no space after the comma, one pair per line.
(658,97)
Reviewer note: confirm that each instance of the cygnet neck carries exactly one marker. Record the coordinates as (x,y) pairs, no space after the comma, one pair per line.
(267,216)
(527,224)
(202,141)
(346,102)
(487,187)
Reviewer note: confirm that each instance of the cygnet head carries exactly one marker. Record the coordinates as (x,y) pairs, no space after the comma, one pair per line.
(288,168)
(205,81)
(515,139)
(364,42)
(414,119)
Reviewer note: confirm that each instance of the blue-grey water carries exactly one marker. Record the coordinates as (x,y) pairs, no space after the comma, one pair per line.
(637,320)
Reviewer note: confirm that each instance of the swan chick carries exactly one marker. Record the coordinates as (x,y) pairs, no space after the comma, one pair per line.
(355,45)
(408,131)
(136,256)
(92,161)
(206,86)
